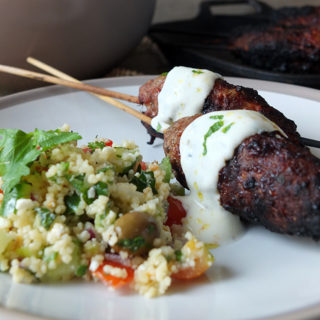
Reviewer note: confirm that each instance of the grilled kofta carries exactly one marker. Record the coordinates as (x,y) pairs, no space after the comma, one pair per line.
(270,180)
(223,96)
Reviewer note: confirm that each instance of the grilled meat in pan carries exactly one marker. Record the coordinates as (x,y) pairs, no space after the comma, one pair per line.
(270,181)
(290,43)
(223,96)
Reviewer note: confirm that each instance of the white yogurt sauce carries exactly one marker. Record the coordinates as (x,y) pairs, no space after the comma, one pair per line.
(201,160)
(183,94)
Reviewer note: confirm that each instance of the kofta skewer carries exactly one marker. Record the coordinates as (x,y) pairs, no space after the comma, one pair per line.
(239,175)
(303,221)
(151,103)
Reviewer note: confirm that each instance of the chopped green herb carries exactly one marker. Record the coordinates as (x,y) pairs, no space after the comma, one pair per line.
(165,165)
(96,145)
(46,217)
(158,127)
(227,128)
(65,166)
(77,182)
(178,254)
(21,190)
(72,202)
(215,127)
(105,169)
(164,74)
(48,139)
(219,117)
(81,271)
(144,180)
(132,245)
(197,71)
(101,189)
(18,150)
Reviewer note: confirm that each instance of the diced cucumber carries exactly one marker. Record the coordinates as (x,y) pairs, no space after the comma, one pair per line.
(63,271)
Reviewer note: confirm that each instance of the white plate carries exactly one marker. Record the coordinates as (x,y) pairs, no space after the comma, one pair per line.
(262,275)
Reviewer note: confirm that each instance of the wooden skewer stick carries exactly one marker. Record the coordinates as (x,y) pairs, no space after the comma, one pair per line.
(80,86)
(59,74)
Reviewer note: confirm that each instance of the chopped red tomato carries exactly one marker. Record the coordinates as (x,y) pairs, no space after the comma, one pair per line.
(108,279)
(143,166)
(202,258)
(85,150)
(109,143)
(176,212)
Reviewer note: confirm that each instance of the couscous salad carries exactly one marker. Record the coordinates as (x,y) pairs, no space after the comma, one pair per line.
(96,212)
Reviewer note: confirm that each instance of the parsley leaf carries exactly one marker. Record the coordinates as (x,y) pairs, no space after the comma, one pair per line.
(96,145)
(18,150)
(132,245)
(81,270)
(72,202)
(46,217)
(178,255)
(146,179)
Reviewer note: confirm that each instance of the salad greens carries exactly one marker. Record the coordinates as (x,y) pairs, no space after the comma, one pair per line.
(17,151)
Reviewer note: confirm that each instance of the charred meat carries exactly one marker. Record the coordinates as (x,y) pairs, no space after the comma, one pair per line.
(289,43)
(224,96)
(270,181)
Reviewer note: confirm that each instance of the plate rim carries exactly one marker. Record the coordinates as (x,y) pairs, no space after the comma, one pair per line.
(310,312)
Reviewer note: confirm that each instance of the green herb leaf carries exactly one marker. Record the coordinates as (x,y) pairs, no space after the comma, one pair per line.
(165,165)
(146,179)
(96,145)
(19,149)
(215,127)
(158,127)
(65,166)
(219,117)
(21,190)
(132,245)
(49,139)
(101,189)
(72,202)
(81,271)
(164,73)
(178,254)
(77,182)
(197,71)
(105,169)
(46,217)
(227,128)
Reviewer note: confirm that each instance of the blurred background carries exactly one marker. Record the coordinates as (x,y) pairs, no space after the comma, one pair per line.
(98,38)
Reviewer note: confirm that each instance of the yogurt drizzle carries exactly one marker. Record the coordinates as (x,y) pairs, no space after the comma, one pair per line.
(204,152)
(183,94)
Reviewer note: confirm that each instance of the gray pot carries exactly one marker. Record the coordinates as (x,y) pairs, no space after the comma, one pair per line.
(84,38)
